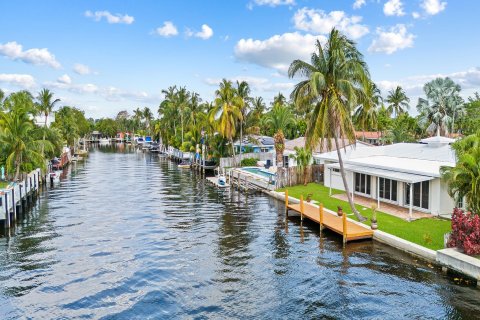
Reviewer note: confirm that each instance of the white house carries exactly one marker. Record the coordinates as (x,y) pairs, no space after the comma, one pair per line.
(397,174)
(290,145)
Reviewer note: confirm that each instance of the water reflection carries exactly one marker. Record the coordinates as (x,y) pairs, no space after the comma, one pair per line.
(129,235)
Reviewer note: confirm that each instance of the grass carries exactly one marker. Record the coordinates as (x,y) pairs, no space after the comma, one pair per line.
(3,184)
(426,232)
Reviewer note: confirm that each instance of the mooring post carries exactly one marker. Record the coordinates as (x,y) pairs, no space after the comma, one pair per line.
(320,209)
(344,218)
(301,207)
(14,205)
(7,212)
(286,203)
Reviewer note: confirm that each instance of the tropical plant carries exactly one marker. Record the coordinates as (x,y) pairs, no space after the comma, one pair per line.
(366,114)
(17,133)
(277,120)
(45,106)
(243,92)
(442,106)
(227,111)
(397,101)
(335,83)
(303,157)
(465,232)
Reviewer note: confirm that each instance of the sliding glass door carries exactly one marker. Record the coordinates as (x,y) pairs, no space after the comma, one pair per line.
(362,183)
(421,194)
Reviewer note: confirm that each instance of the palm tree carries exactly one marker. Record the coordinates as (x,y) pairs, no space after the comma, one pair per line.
(443,102)
(243,92)
(303,157)
(18,132)
(335,83)
(148,116)
(45,106)
(226,114)
(279,99)
(252,122)
(278,119)
(397,101)
(366,114)
(181,102)
(463,180)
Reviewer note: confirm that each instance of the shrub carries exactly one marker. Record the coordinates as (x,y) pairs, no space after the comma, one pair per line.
(465,232)
(248,162)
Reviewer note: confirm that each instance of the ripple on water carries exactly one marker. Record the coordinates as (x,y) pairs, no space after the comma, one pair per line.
(129,236)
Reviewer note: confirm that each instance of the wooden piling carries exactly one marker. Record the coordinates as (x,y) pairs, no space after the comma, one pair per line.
(286,203)
(7,212)
(320,209)
(344,220)
(301,207)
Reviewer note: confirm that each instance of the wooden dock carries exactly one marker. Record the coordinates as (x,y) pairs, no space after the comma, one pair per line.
(349,230)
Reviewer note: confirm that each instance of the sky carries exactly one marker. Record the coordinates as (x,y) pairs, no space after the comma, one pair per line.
(108,56)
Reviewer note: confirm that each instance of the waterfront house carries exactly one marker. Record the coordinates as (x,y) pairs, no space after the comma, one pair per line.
(371,137)
(255,144)
(403,174)
(317,151)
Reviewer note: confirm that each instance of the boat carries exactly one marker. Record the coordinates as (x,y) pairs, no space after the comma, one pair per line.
(104,141)
(54,176)
(155,147)
(184,164)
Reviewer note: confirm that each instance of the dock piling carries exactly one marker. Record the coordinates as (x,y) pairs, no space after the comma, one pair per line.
(320,208)
(286,203)
(344,220)
(301,207)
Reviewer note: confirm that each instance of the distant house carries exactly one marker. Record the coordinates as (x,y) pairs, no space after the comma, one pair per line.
(372,137)
(318,150)
(255,144)
(40,120)
(403,174)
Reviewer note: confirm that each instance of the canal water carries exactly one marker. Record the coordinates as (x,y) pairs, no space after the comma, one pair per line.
(128,235)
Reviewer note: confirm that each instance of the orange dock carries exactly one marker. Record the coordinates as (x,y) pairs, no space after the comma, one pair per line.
(349,230)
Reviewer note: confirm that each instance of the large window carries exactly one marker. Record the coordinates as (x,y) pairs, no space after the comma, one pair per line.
(388,189)
(362,183)
(421,192)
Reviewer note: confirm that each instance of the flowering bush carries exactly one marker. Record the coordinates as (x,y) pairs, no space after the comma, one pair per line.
(465,232)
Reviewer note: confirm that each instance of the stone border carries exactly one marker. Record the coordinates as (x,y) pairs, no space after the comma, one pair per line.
(454,259)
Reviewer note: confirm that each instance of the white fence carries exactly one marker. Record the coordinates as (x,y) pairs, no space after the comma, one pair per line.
(261,156)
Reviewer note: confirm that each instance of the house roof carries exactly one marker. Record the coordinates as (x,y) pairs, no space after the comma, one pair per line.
(300,142)
(416,158)
(438,140)
(255,140)
(368,134)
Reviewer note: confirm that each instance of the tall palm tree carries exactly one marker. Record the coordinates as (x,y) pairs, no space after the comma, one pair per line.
(442,104)
(226,113)
(148,116)
(45,106)
(366,114)
(278,119)
(252,123)
(243,92)
(335,83)
(17,133)
(303,157)
(279,99)
(397,101)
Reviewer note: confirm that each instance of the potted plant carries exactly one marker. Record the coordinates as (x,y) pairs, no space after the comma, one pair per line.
(309,197)
(339,211)
(373,219)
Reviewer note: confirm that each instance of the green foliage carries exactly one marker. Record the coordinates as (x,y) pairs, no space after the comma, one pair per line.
(108,127)
(71,123)
(470,123)
(397,101)
(410,231)
(303,157)
(249,162)
(463,180)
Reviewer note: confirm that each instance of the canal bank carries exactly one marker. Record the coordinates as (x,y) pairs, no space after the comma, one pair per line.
(129,235)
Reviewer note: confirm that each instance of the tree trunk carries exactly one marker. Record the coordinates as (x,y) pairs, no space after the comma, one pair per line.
(241,140)
(18,163)
(181,119)
(305,172)
(233,152)
(345,184)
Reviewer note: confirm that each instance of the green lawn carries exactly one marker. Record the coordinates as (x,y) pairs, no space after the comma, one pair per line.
(3,184)
(425,232)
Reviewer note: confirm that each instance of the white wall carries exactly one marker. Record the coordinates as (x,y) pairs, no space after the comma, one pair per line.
(446,202)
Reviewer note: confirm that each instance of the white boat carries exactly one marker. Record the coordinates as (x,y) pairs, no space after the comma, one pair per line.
(104,141)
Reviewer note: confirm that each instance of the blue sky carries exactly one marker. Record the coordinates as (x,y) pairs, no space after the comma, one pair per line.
(107,56)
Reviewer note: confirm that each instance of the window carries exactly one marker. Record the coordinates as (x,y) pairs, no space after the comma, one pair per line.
(388,189)
(335,170)
(459,203)
(421,193)
(362,183)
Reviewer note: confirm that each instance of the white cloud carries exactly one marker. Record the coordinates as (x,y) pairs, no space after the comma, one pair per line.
(65,79)
(433,7)
(416,15)
(14,51)
(320,22)
(82,69)
(111,18)
(278,51)
(167,30)
(391,40)
(272,3)
(393,8)
(205,34)
(358,4)
(20,80)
